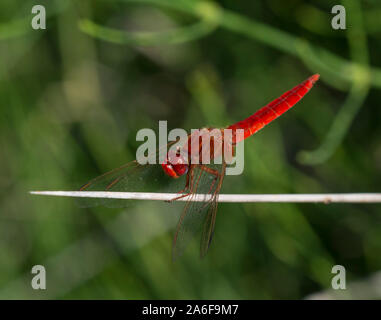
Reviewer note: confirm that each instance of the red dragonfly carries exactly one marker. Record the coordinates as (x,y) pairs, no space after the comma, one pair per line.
(199,178)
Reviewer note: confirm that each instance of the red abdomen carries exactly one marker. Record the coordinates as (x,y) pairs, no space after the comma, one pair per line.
(274,109)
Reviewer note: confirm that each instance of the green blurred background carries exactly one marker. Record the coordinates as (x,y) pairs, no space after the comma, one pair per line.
(73,96)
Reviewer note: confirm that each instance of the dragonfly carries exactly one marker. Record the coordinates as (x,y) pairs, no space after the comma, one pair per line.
(193,178)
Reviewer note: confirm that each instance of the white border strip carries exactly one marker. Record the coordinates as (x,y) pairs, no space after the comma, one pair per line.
(235,198)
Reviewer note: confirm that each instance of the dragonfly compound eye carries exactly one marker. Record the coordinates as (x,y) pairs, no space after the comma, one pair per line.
(175,165)
(168,169)
(180,169)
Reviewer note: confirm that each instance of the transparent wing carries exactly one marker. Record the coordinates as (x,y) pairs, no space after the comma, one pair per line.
(197,214)
(131,177)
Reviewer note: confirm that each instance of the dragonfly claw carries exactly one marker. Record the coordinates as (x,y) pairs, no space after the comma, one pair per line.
(179,197)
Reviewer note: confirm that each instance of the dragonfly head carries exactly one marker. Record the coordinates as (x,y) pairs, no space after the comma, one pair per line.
(174,165)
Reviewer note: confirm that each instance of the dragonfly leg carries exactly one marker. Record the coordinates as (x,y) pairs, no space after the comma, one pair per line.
(179,197)
(188,187)
(210,170)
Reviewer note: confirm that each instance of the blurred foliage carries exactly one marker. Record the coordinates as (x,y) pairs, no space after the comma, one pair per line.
(74,95)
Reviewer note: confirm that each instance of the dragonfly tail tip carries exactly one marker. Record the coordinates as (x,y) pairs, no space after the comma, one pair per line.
(315,77)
